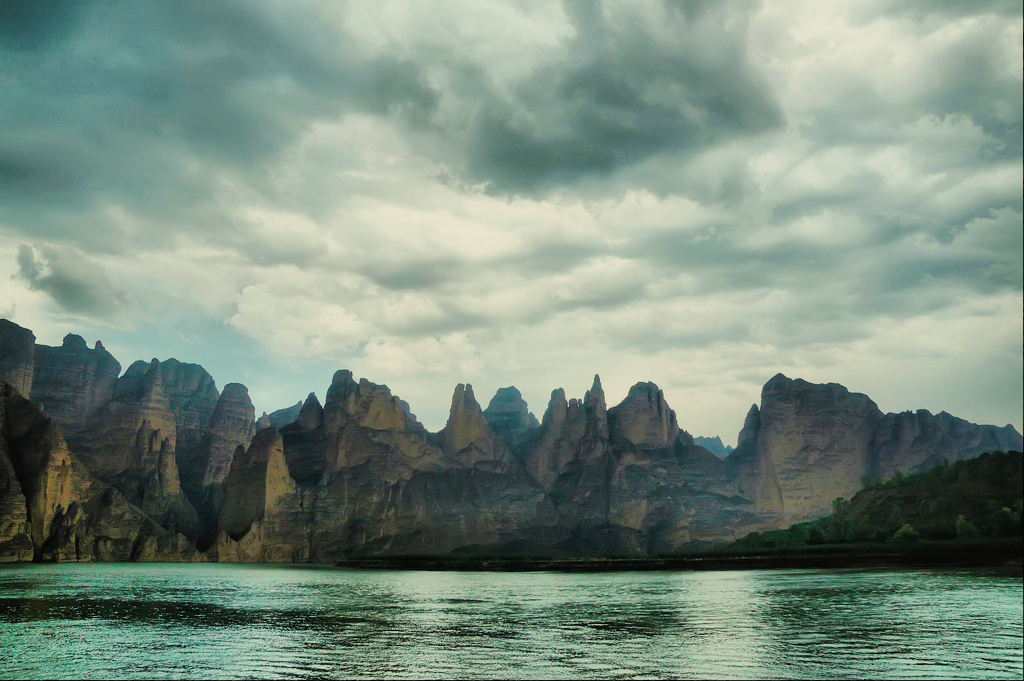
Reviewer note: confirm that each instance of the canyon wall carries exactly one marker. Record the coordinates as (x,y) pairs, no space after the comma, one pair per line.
(157,464)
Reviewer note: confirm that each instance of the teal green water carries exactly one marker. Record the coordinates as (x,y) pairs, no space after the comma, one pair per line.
(230,621)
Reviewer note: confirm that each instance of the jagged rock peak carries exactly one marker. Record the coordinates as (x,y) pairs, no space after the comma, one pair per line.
(467,436)
(596,392)
(508,414)
(466,423)
(644,418)
(311,415)
(554,415)
(751,424)
(366,404)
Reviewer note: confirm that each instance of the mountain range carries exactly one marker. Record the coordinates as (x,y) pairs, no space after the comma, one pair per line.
(156,463)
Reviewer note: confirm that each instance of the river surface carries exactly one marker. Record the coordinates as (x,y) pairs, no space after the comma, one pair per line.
(231,621)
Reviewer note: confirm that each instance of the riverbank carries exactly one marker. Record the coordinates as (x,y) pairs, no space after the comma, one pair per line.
(1003,552)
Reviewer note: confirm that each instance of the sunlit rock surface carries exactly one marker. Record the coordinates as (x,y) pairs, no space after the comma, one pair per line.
(810,443)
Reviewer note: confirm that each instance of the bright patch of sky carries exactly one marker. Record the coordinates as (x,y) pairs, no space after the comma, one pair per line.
(699,194)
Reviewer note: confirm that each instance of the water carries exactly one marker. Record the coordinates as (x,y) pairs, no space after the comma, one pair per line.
(231,621)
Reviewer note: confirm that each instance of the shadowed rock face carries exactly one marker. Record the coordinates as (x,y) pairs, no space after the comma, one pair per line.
(915,441)
(72,382)
(283,417)
(509,416)
(231,426)
(17,350)
(713,445)
(59,511)
(304,442)
(263,519)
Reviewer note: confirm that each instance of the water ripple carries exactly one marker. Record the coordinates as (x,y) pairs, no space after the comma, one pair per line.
(218,621)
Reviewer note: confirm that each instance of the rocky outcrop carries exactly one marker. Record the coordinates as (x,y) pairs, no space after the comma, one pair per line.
(191,399)
(231,429)
(810,443)
(72,382)
(283,417)
(665,492)
(60,511)
(509,416)
(364,424)
(817,440)
(263,518)
(467,437)
(158,459)
(913,441)
(304,443)
(17,350)
(131,444)
(644,419)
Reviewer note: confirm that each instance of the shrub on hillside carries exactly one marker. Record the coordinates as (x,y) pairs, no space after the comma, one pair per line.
(906,534)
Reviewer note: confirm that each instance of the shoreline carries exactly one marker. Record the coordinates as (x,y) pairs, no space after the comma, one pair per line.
(996,554)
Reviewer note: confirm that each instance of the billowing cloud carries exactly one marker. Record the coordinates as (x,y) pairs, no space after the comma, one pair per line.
(699,194)
(76,283)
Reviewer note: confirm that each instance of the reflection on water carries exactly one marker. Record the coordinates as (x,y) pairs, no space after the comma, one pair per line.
(230,621)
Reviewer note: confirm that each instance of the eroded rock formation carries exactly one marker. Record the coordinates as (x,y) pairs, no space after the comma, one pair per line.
(155,463)
(810,443)
(58,510)
(17,356)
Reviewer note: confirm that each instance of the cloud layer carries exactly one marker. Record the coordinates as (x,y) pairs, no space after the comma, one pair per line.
(699,194)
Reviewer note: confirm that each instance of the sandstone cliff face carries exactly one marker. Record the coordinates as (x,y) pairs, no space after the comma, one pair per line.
(813,443)
(817,440)
(60,511)
(644,419)
(72,382)
(263,518)
(131,443)
(365,424)
(468,438)
(17,350)
(231,428)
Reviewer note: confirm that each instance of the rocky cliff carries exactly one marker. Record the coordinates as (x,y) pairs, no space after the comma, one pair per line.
(157,464)
(54,509)
(72,382)
(17,356)
(810,443)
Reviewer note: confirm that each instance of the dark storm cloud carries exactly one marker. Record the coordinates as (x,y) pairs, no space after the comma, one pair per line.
(76,283)
(143,104)
(618,96)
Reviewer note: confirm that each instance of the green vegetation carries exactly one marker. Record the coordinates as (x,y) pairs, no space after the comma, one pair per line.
(969,502)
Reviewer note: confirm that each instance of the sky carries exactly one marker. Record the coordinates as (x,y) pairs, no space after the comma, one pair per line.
(508,192)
